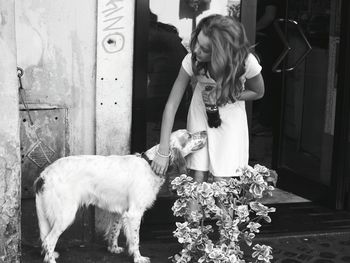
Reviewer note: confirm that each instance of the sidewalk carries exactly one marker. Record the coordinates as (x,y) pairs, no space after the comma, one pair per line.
(313,248)
(316,248)
(299,233)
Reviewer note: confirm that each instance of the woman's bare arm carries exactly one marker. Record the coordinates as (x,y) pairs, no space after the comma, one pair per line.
(254,89)
(160,164)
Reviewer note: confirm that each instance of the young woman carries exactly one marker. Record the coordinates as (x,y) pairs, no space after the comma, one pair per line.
(220,58)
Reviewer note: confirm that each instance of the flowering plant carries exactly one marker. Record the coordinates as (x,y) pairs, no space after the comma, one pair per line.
(234,205)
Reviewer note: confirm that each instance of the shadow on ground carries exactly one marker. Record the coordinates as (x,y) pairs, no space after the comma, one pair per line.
(97,253)
(315,248)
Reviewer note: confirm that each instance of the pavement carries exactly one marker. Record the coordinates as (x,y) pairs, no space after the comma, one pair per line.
(316,248)
(299,232)
(313,248)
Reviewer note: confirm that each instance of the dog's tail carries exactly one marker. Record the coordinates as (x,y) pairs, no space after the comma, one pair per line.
(43,221)
(39,185)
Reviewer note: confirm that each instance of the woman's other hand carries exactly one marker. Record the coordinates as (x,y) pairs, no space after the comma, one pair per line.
(209,95)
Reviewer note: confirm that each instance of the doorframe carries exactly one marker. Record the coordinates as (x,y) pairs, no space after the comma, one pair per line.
(248,19)
(340,162)
(138,124)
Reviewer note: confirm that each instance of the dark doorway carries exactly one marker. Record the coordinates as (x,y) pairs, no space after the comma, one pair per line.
(301,85)
(161,61)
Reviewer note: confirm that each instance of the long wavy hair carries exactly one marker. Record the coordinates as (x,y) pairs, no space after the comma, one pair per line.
(229,50)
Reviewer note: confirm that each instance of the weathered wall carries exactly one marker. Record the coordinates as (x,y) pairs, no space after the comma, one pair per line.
(9,138)
(114,71)
(57,44)
(56,48)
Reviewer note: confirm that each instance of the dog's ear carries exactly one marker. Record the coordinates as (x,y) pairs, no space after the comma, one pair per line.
(178,161)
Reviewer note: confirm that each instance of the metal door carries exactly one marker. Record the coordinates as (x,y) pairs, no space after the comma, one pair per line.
(43,140)
(303,147)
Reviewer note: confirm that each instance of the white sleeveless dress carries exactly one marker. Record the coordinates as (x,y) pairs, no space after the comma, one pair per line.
(228,145)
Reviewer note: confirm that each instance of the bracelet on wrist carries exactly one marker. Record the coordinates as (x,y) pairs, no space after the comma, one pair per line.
(163,155)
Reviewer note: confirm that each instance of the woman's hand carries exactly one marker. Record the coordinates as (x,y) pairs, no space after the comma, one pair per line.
(209,95)
(160,164)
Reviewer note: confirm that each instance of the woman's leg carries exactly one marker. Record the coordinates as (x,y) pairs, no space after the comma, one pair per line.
(217,179)
(199,177)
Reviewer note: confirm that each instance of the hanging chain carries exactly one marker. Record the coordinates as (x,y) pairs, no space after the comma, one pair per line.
(20,73)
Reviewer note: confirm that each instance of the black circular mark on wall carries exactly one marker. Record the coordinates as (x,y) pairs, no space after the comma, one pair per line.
(113,43)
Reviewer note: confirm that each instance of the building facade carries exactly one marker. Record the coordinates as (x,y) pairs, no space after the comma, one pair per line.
(94,83)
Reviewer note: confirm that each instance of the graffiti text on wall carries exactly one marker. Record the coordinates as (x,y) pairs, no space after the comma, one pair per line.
(114,39)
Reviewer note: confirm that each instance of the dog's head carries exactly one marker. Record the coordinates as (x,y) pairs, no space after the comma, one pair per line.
(186,142)
(183,143)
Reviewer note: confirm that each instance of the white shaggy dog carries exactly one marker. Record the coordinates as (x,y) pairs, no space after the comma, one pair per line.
(124,185)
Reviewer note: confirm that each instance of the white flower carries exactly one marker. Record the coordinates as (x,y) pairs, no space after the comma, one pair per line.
(242,212)
(235,207)
(254,227)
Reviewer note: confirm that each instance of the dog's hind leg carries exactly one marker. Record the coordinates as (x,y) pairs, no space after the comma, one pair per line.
(60,224)
(44,224)
(113,236)
(132,221)
(50,242)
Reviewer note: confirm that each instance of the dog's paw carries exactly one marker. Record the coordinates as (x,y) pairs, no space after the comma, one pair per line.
(115,249)
(56,254)
(49,259)
(142,260)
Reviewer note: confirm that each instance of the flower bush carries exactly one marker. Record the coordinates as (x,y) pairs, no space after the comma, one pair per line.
(234,205)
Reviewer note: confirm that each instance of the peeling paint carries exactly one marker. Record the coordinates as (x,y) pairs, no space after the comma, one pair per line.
(59,58)
(50,125)
(9,140)
(29,38)
(114,76)
(10,201)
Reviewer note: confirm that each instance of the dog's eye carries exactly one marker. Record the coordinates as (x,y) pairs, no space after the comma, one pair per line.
(196,136)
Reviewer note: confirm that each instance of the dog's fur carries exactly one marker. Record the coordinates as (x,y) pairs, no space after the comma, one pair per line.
(124,185)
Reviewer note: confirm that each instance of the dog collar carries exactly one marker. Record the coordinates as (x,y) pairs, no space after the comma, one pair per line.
(144,156)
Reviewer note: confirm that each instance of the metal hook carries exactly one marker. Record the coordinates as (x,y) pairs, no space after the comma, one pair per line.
(20,72)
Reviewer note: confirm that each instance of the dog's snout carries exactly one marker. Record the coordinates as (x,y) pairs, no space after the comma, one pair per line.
(204,134)
(200,135)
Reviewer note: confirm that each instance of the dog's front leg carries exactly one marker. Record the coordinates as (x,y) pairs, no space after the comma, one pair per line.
(132,222)
(113,236)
